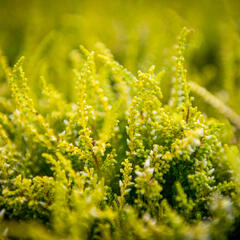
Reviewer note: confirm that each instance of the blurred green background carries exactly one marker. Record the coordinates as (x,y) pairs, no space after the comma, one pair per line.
(139,33)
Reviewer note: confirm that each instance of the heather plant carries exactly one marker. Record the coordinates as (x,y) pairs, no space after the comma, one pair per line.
(116,163)
(101,144)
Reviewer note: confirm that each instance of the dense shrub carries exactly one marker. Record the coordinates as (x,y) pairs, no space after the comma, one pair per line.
(112,155)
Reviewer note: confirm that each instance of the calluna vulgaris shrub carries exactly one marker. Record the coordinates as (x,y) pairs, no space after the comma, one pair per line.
(111,158)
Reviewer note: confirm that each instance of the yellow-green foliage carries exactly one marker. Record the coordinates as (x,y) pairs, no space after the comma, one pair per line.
(91,147)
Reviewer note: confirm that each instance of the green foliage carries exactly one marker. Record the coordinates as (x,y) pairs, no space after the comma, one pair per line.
(92,150)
